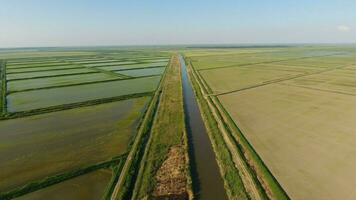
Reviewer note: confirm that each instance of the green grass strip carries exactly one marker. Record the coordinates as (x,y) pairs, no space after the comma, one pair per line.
(51,180)
(163,135)
(3,87)
(116,170)
(83,83)
(50,76)
(126,182)
(46,70)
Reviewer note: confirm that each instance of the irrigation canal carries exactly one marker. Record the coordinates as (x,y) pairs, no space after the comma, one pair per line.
(207,182)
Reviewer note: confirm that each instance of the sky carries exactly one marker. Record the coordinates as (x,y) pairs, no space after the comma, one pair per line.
(27,23)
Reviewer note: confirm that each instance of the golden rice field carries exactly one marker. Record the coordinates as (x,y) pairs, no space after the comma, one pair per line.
(297,108)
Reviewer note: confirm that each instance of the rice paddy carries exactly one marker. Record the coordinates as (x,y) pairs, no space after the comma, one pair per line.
(88,186)
(99,123)
(293,110)
(46,151)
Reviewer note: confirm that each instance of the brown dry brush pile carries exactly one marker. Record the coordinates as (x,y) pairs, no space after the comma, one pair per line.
(171,178)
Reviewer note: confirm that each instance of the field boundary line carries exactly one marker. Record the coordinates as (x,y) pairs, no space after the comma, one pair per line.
(3,103)
(318,89)
(24,66)
(49,76)
(268,62)
(82,83)
(47,57)
(97,69)
(139,68)
(279,80)
(46,70)
(57,178)
(73,105)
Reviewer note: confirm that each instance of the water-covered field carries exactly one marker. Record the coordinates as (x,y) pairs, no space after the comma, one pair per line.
(97,113)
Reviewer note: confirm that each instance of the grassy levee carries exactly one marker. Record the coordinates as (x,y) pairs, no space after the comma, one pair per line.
(232,181)
(117,70)
(126,179)
(57,75)
(168,132)
(46,70)
(3,87)
(116,170)
(44,64)
(124,77)
(72,105)
(259,170)
(98,69)
(68,85)
(51,180)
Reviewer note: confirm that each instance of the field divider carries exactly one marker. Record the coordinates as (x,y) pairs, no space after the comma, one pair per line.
(318,89)
(98,70)
(116,170)
(46,70)
(3,104)
(52,180)
(52,58)
(73,105)
(127,178)
(257,167)
(50,76)
(39,66)
(82,83)
(12,63)
(269,62)
(138,68)
(279,80)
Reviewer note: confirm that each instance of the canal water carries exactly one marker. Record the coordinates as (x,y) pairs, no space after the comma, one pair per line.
(207,182)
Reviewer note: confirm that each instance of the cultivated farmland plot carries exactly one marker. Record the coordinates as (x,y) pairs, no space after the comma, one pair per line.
(29,100)
(296,109)
(91,123)
(89,186)
(88,134)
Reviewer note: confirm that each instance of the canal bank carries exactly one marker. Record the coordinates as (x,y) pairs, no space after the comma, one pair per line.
(207,182)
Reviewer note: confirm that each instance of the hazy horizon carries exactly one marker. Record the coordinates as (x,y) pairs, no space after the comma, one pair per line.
(34,23)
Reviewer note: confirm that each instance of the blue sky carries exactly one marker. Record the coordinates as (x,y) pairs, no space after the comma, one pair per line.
(155,22)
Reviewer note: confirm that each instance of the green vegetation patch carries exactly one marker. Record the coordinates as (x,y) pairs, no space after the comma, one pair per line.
(135,66)
(35,99)
(143,72)
(88,186)
(108,63)
(38,69)
(47,73)
(29,84)
(168,133)
(3,87)
(56,142)
(35,65)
